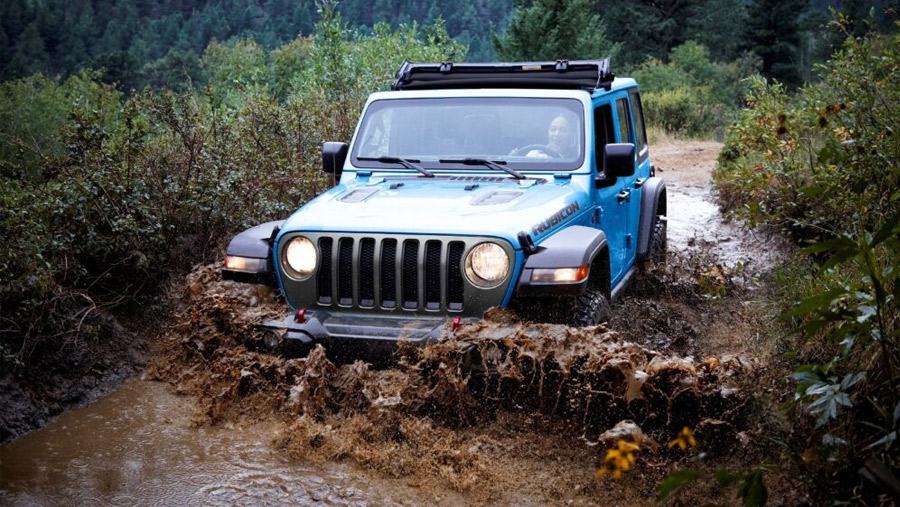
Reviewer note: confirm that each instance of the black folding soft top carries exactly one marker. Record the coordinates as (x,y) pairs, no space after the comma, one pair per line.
(561,74)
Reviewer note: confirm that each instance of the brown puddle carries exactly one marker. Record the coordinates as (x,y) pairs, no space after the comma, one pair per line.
(138,446)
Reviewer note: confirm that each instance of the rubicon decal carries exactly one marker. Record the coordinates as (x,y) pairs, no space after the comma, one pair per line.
(555,219)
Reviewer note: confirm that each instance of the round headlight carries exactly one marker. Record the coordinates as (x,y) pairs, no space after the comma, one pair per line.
(300,257)
(487,265)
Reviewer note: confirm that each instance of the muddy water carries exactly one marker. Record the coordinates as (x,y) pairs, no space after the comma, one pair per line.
(137,446)
(694,223)
(694,220)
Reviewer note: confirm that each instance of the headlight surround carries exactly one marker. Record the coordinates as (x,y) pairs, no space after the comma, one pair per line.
(487,265)
(300,257)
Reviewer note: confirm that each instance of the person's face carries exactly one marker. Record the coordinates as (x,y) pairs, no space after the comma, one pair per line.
(559,134)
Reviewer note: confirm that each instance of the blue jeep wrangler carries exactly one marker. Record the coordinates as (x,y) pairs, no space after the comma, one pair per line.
(465,187)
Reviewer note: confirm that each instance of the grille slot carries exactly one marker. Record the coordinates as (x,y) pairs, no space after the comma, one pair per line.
(388,273)
(345,271)
(410,275)
(367,272)
(323,279)
(433,275)
(454,275)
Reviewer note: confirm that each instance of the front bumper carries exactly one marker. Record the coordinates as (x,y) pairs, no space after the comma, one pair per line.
(349,336)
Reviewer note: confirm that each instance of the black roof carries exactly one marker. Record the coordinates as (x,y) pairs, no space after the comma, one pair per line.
(561,74)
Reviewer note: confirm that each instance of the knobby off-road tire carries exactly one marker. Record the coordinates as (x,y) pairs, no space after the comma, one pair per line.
(659,244)
(591,308)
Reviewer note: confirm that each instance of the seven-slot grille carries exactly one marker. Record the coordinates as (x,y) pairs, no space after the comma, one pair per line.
(387,273)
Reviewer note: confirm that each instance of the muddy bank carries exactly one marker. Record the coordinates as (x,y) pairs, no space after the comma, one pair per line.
(83,370)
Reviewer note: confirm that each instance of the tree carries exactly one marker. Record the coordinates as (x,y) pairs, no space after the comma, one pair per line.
(553,29)
(773,33)
(29,55)
(652,28)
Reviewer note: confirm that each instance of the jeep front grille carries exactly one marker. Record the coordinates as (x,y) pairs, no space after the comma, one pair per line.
(386,272)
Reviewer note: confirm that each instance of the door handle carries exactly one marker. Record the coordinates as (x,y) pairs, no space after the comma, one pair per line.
(623,195)
(638,183)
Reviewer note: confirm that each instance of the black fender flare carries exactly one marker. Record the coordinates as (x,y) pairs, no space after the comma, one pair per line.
(653,204)
(254,243)
(571,247)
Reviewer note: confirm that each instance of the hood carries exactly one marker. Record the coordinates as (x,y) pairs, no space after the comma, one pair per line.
(454,205)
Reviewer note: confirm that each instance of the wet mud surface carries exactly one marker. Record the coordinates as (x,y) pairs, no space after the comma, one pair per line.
(223,423)
(82,371)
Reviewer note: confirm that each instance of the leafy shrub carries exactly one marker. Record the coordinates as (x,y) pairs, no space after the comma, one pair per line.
(691,95)
(682,111)
(824,167)
(103,195)
(826,161)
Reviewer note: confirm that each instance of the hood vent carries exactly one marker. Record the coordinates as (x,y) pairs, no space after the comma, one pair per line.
(357,195)
(500,197)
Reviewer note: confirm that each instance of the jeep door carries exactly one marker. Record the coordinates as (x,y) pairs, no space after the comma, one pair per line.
(632,186)
(610,214)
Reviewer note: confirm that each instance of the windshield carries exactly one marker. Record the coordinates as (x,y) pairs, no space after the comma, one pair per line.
(522,133)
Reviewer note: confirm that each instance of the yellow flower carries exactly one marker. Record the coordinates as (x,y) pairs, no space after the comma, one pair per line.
(618,459)
(684,439)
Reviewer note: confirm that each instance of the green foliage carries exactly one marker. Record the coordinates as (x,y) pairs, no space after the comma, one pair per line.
(751,489)
(675,481)
(827,160)
(33,112)
(102,195)
(554,30)
(691,95)
(823,166)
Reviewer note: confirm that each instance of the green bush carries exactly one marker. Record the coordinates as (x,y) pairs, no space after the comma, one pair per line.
(691,95)
(682,111)
(103,195)
(824,167)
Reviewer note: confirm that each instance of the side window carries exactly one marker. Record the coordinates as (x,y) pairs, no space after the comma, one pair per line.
(640,134)
(624,122)
(603,131)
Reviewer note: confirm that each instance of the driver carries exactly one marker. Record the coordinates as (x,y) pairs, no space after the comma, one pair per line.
(560,141)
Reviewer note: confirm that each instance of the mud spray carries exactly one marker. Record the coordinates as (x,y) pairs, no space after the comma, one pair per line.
(430,417)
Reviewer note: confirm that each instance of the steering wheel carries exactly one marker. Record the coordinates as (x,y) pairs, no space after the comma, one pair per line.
(539,147)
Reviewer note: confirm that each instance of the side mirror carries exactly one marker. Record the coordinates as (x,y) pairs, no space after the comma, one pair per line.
(618,160)
(333,157)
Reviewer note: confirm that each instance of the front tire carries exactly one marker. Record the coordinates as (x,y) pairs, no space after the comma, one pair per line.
(591,308)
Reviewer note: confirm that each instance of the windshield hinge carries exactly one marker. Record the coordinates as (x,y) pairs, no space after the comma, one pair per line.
(562,176)
(363,175)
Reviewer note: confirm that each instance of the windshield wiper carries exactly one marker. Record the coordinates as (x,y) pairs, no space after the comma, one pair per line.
(495,165)
(407,163)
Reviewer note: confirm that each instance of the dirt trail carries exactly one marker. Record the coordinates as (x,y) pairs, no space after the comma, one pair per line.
(694,219)
(681,352)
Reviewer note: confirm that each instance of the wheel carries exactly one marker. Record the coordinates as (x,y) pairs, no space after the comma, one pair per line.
(591,308)
(659,245)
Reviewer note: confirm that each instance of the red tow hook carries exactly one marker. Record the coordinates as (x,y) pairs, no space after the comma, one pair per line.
(300,317)
(456,323)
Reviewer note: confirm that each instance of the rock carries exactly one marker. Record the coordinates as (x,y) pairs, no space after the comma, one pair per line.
(628,431)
